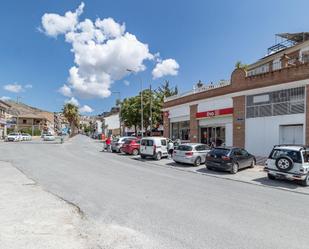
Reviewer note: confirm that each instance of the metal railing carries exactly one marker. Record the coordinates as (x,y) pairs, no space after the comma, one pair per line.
(203,88)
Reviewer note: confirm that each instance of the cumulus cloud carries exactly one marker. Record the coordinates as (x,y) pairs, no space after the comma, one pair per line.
(164,68)
(103,51)
(14,88)
(54,24)
(86,109)
(65,91)
(4,98)
(72,101)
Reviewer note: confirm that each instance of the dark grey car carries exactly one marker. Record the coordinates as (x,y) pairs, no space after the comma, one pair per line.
(229,159)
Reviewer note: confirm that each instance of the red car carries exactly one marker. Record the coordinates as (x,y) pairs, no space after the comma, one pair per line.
(131,147)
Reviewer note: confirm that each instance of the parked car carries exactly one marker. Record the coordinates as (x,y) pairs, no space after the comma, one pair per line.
(289,162)
(26,137)
(191,153)
(14,137)
(131,147)
(117,144)
(155,147)
(49,137)
(230,159)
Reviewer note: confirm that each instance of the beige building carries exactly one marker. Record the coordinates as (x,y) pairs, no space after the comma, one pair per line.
(4,107)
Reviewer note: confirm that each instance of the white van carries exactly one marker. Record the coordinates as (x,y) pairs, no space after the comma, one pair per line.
(155,147)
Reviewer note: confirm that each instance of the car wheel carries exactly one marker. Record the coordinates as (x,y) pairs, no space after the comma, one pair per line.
(234,168)
(284,163)
(271,176)
(253,163)
(197,161)
(305,182)
(135,152)
(158,156)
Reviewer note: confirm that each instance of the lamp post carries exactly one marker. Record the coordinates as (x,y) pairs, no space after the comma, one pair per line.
(142,108)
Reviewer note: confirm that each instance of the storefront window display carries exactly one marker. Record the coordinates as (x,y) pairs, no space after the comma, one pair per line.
(181,130)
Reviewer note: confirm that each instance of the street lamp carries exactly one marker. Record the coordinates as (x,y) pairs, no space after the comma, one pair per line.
(142,108)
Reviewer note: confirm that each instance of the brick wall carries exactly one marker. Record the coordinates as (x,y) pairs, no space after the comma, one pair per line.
(239,121)
(240,82)
(193,124)
(166,125)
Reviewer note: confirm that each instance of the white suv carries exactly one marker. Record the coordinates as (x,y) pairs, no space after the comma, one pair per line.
(155,147)
(289,162)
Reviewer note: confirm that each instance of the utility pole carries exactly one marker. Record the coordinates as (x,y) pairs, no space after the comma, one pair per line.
(150,111)
(17,99)
(119,102)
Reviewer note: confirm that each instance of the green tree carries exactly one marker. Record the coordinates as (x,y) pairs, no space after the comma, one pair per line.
(71,113)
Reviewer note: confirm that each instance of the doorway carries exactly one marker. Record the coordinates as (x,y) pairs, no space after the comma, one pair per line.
(213,136)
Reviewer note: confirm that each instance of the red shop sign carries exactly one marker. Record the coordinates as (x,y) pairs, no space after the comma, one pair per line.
(214,113)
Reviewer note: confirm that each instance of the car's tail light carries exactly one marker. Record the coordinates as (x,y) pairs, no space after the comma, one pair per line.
(189,153)
(208,156)
(225,158)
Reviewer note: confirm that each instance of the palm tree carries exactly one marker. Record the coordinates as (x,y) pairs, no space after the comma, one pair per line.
(71,113)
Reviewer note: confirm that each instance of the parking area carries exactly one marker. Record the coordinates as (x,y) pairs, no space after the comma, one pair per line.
(255,175)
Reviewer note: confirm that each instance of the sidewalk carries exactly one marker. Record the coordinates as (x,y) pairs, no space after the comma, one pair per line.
(31,218)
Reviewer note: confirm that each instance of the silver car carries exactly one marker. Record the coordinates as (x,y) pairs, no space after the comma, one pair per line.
(191,153)
(117,144)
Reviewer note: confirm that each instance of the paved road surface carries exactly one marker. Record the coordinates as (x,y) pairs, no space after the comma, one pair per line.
(141,205)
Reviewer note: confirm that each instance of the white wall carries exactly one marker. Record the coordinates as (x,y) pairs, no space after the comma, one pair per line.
(215,104)
(112,122)
(263,133)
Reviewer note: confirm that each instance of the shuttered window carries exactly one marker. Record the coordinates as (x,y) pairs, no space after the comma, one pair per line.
(283,102)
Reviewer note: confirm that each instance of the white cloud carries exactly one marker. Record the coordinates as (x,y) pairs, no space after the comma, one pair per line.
(28,86)
(110,28)
(126,82)
(65,91)
(54,24)
(164,68)
(103,51)
(86,109)
(72,101)
(14,88)
(4,98)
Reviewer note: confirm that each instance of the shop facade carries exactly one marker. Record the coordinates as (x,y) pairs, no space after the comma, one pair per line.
(255,110)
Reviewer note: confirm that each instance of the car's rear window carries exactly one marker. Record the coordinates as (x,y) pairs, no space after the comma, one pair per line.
(146,142)
(220,152)
(294,155)
(127,141)
(184,148)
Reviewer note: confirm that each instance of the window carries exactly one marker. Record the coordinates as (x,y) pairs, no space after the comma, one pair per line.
(184,148)
(284,102)
(24,121)
(306,156)
(163,142)
(201,147)
(181,130)
(294,155)
(244,152)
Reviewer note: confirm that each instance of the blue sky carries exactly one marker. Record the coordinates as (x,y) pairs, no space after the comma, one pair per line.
(206,38)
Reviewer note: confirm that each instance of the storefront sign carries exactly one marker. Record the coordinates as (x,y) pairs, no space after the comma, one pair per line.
(214,113)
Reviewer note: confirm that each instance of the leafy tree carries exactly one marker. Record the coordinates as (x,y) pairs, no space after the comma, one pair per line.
(71,113)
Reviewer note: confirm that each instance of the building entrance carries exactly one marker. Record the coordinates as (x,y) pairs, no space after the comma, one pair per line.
(213,136)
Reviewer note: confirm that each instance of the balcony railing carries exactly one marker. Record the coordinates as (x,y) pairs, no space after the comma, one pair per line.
(203,88)
(278,65)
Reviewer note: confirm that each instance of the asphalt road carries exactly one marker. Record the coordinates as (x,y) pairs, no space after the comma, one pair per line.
(136,204)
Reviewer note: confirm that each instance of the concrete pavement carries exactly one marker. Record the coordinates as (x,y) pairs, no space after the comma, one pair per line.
(133,204)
